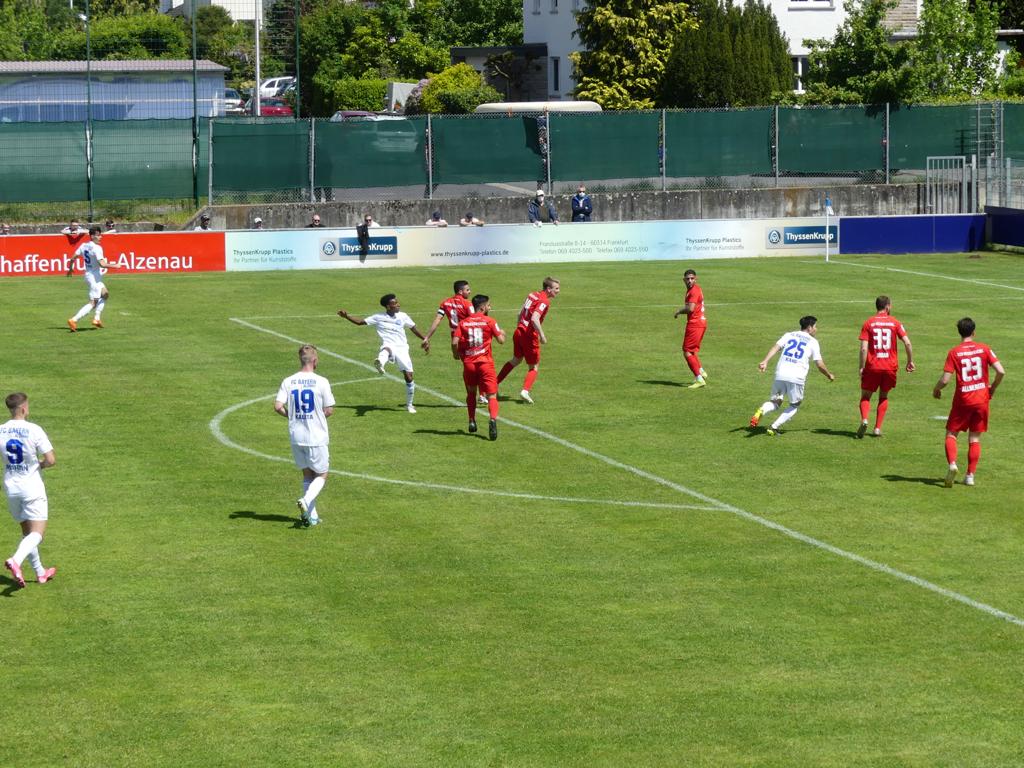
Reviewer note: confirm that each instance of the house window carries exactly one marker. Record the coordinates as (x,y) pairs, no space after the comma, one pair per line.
(555,75)
(575,5)
(799,72)
(554,6)
(536,6)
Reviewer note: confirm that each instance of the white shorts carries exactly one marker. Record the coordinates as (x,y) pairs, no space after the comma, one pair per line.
(787,390)
(401,358)
(315,457)
(96,290)
(23,509)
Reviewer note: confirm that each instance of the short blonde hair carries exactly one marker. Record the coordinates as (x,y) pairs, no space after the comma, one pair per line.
(307,353)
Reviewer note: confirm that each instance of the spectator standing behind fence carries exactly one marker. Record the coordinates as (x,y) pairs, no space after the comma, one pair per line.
(469,220)
(315,222)
(109,228)
(257,223)
(435,220)
(582,208)
(534,213)
(5,229)
(73,232)
(204,223)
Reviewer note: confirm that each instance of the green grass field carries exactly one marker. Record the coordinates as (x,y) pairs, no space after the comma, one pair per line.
(599,587)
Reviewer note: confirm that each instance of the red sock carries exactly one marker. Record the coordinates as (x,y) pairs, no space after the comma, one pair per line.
(471,406)
(694,362)
(973,454)
(883,406)
(865,408)
(531,376)
(951,449)
(492,407)
(506,369)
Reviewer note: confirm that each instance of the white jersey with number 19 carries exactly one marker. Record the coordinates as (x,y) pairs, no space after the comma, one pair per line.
(307,394)
(22,442)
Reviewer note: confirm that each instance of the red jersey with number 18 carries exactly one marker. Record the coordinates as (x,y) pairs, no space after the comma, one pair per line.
(537,301)
(881,332)
(970,361)
(695,296)
(474,335)
(455,309)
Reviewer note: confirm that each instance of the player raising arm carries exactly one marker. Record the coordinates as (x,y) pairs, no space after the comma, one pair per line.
(93,260)
(969,362)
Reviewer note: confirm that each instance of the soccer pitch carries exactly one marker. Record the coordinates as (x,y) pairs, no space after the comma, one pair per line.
(629,575)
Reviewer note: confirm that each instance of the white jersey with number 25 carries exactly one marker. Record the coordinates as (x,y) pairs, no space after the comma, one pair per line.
(798,350)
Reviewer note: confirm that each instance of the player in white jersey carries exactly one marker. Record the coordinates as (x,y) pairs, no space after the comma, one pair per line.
(22,443)
(306,400)
(394,345)
(798,349)
(93,260)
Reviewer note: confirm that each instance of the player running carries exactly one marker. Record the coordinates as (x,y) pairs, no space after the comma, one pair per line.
(471,343)
(969,362)
(93,260)
(394,345)
(879,361)
(696,326)
(798,349)
(529,335)
(453,309)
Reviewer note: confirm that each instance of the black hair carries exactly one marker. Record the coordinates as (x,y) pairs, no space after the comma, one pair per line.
(479,300)
(965,327)
(94,230)
(386,299)
(458,285)
(689,272)
(469,214)
(882,302)
(15,399)
(807,321)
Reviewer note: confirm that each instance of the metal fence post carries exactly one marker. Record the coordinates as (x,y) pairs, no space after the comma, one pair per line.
(312,159)
(664,150)
(209,165)
(430,158)
(775,146)
(974,185)
(885,140)
(1006,186)
(547,156)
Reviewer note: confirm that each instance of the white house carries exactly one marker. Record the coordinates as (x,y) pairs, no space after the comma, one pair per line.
(553,22)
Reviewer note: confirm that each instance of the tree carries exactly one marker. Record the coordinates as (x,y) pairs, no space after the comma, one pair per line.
(626,45)
(956,46)
(457,90)
(24,31)
(146,36)
(861,65)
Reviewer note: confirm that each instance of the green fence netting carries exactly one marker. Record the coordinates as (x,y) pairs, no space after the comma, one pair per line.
(142,158)
(43,162)
(718,143)
(253,155)
(1013,130)
(479,150)
(375,153)
(604,145)
(834,139)
(916,133)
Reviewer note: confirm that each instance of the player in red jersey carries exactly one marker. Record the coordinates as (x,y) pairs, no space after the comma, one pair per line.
(969,361)
(471,343)
(696,325)
(453,309)
(529,335)
(879,361)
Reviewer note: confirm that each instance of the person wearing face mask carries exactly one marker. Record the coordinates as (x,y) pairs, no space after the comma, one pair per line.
(582,208)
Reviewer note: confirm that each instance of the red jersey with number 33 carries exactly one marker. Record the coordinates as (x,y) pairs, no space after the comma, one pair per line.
(970,361)
(474,335)
(538,302)
(881,332)
(455,309)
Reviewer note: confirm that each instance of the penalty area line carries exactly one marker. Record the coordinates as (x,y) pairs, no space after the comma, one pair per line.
(929,274)
(764,522)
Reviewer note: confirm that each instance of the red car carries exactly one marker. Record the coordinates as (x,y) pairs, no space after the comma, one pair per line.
(271,108)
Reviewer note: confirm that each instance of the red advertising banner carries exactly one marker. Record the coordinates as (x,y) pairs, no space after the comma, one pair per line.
(133,253)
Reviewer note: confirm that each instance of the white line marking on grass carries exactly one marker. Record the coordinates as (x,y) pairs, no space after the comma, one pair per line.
(930,274)
(218,432)
(718,505)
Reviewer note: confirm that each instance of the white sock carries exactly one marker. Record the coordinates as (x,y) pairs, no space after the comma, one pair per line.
(410,390)
(99,308)
(82,312)
(36,562)
(30,542)
(383,357)
(768,407)
(311,489)
(785,416)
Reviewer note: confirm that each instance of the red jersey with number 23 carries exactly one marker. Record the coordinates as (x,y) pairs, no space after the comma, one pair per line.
(881,332)
(474,335)
(455,309)
(538,302)
(970,361)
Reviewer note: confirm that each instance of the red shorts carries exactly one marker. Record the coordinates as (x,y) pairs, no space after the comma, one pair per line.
(692,337)
(480,374)
(970,418)
(874,380)
(526,344)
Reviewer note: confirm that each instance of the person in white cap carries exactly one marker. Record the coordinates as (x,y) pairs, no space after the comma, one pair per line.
(257,223)
(533,210)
